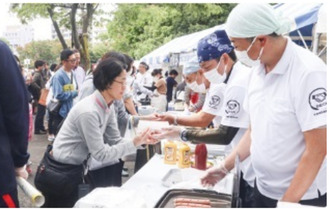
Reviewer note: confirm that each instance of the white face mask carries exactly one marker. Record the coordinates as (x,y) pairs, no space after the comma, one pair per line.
(196,87)
(214,77)
(245,59)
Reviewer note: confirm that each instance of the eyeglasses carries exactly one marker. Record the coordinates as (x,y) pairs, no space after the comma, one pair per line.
(73,60)
(123,83)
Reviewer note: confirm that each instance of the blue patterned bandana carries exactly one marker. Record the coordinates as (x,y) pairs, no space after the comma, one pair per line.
(213,46)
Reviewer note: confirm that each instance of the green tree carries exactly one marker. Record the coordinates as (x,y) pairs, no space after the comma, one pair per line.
(98,50)
(71,16)
(137,29)
(43,50)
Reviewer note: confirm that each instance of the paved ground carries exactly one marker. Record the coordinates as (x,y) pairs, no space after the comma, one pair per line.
(36,149)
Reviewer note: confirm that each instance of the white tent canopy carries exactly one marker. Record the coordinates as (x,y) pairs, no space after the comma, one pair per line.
(321,26)
(306,15)
(183,44)
(303,14)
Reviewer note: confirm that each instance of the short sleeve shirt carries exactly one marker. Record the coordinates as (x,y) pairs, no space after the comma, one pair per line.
(161,86)
(235,93)
(234,115)
(214,99)
(284,103)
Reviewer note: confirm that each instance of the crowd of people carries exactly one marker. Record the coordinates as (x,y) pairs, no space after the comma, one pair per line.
(262,95)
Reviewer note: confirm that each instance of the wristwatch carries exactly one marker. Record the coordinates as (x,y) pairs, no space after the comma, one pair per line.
(183,134)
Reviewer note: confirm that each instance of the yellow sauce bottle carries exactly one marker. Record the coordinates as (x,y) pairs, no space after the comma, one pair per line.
(184,156)
(170,150)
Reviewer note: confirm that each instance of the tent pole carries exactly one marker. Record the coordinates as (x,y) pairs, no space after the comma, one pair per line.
(316,43)
(322,51)
(301,37)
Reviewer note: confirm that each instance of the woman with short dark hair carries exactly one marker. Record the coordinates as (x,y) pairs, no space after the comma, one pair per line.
(91,128)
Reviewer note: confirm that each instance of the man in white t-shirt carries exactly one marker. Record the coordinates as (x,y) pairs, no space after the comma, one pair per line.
(231,80)
(287,104)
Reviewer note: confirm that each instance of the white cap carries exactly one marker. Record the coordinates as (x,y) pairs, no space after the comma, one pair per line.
(250,20)
(191,66)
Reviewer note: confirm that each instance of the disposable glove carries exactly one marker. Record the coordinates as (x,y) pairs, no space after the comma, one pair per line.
(214,175)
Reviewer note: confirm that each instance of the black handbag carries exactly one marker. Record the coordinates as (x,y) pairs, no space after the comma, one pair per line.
(53,177)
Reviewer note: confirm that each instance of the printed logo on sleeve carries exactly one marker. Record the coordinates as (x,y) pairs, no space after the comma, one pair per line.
(318,100)
(232,108)
(214,101)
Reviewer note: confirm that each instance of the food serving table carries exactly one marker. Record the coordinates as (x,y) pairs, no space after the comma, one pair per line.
(148,181)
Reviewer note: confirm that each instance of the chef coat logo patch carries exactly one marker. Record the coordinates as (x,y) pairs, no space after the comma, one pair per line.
(318,99)
(214,101)
(232,107)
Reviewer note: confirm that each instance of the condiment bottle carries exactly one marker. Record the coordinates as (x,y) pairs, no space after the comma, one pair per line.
(170,150)
(184,156)
(201,157)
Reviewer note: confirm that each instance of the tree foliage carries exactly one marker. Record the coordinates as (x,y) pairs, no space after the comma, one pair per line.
(137,29)
(28,12)
(74,17)
(41,50)
(98,50)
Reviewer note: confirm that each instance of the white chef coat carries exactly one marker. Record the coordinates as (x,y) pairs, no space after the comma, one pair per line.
(283,104)
(214,101)
(145,79)
(235,116)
